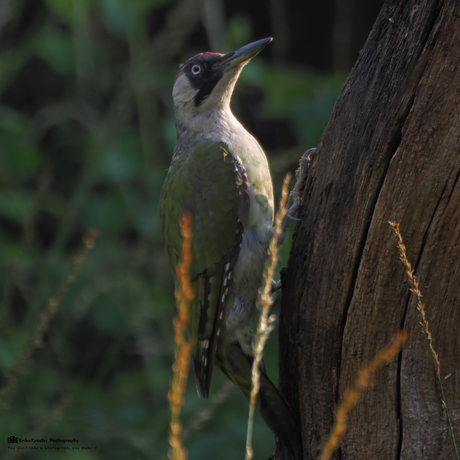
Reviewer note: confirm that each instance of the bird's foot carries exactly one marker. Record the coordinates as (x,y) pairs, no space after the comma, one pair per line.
(296,194)
(301,177)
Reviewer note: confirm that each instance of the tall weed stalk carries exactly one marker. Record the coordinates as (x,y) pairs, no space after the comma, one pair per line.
(414,288)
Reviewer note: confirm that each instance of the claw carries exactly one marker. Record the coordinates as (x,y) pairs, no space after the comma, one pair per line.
(295,219)
(308,152)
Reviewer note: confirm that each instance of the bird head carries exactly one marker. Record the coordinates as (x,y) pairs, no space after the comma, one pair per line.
(205,82)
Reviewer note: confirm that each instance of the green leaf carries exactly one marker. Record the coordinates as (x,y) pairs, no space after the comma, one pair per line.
(116,15)
(15,205)
(63,8)
(19,158)
(57,49)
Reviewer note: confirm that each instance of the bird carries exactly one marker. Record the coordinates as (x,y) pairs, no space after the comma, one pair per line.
(220,175)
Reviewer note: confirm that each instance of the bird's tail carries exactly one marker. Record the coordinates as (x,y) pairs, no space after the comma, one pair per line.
(237,366)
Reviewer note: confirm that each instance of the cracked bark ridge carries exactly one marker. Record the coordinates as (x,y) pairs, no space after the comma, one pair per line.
(390,151)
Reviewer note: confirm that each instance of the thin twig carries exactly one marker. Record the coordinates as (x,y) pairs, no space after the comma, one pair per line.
(184,295)
(36,339)
(266,323)
(414,288)
(351,395)
(204,415)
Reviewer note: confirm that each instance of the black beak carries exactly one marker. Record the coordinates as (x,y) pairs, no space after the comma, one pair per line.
(246,53)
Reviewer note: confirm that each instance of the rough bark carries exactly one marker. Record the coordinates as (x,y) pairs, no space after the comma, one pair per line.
(391,151)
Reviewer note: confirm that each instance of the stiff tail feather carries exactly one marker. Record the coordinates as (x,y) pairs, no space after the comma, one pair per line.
(278,417)
(237,366)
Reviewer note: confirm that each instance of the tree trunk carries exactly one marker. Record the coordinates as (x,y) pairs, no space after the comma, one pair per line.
(390,152)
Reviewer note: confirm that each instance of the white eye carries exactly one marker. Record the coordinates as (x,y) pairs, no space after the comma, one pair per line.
(196,69)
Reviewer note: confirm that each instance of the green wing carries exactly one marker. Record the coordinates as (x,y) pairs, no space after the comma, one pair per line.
(211,185)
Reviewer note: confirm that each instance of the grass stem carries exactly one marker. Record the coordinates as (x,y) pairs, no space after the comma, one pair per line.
(184,295)
(351,395)
(266,323)
(414,288)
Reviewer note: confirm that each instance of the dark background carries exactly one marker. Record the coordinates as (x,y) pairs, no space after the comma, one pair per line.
(86,137)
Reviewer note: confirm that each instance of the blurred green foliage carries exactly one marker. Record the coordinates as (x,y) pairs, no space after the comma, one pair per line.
(86,136)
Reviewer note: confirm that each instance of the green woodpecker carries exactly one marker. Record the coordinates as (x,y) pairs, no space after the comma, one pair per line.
(219,174)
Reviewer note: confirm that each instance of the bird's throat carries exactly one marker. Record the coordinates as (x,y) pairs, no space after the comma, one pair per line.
(219,125)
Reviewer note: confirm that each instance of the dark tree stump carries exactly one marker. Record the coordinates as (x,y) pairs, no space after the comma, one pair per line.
(391,151)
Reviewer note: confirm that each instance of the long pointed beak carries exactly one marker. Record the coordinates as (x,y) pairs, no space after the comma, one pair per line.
(246,53)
